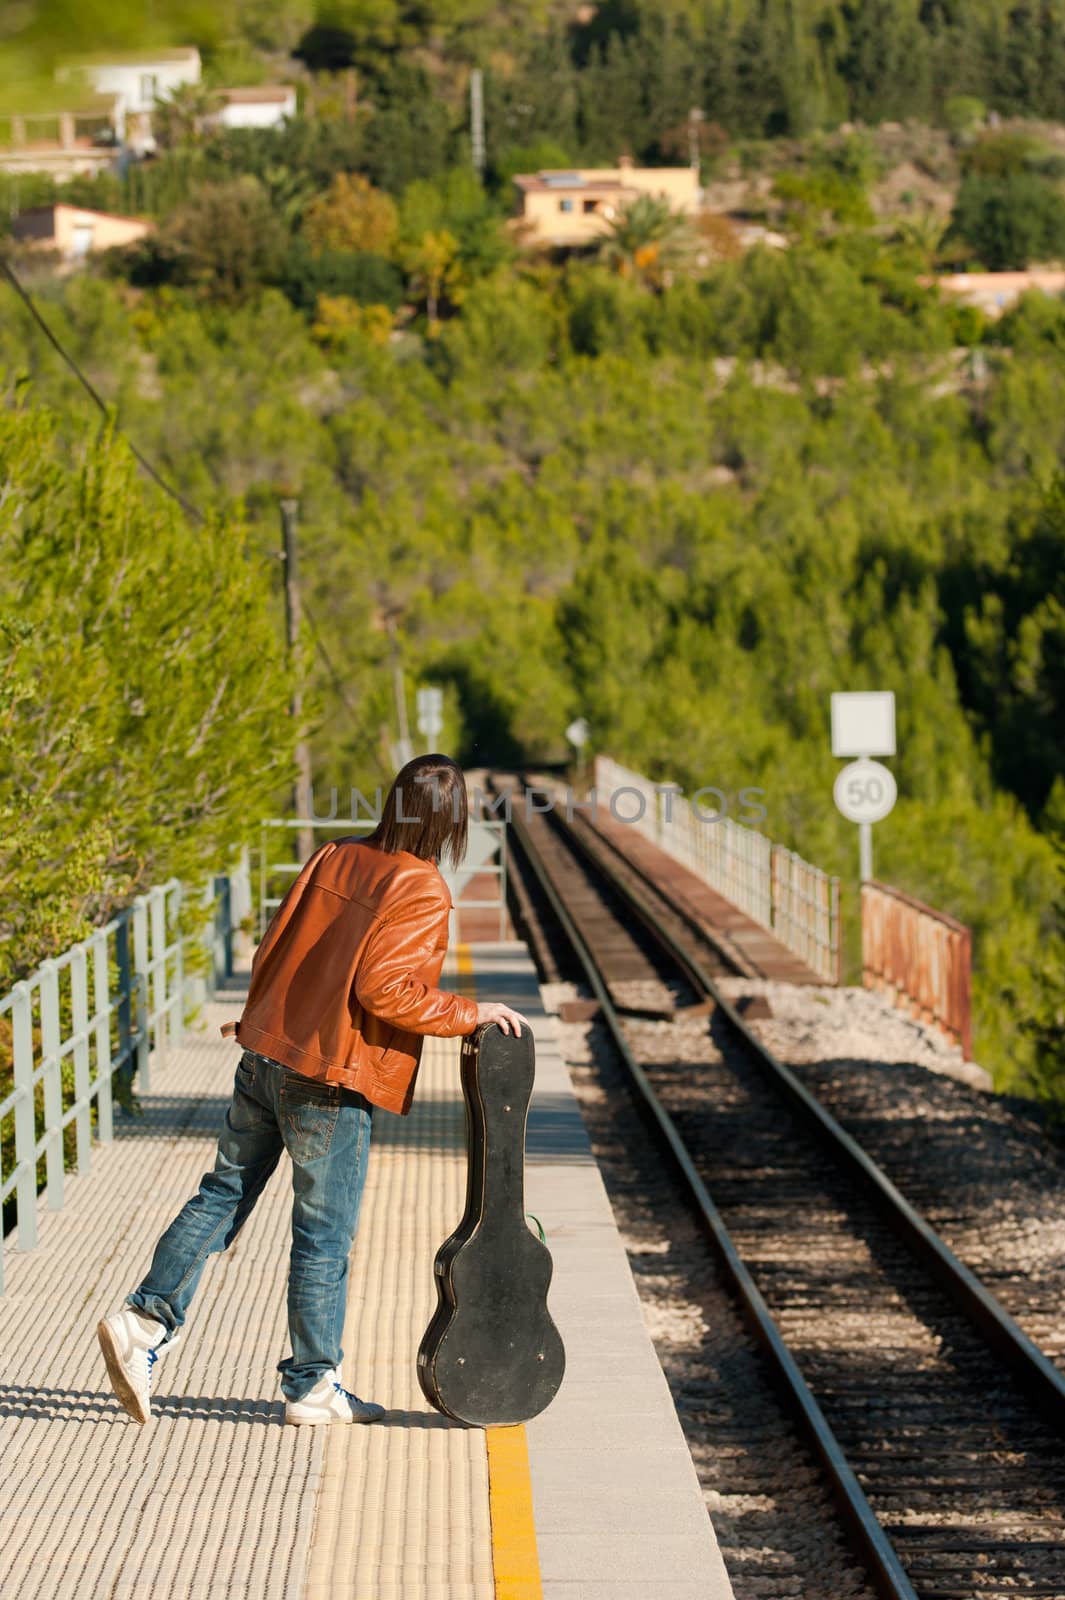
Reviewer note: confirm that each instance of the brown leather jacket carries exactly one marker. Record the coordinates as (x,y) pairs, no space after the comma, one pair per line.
(343,985)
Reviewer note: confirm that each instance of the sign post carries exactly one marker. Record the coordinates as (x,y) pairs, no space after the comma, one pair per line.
(429,703)
(865,791)
(577,736)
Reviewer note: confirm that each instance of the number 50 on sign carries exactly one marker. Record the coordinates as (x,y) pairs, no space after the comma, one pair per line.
(865,791)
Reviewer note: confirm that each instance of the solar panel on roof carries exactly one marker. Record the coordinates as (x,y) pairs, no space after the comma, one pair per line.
(564,180)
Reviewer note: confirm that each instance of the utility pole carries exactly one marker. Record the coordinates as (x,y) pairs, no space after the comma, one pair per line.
(477,119)
(290,556)
(404,748)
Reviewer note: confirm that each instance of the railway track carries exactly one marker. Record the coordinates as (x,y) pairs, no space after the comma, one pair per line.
(937,1422)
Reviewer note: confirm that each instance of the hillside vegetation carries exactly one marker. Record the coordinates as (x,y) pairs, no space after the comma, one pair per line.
(685,490)
(628,69)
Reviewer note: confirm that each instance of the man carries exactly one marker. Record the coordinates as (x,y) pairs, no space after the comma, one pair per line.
(342,991)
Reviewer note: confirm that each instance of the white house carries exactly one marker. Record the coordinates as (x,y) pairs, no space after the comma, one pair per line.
(136,79)
(265,106)
(108,106)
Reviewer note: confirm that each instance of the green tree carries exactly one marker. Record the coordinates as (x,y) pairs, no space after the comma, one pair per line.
(131,748)
(435,271)
(1009,221)
(886,61)
(362,276)
(1010,645)
(456,203)
(963,115)
(538,157)
(227,241)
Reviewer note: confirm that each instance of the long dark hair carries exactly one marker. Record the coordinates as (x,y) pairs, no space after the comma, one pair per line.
(425,811)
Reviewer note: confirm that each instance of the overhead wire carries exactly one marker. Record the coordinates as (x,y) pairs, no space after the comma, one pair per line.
(90,389)
(324,653)
(186,505)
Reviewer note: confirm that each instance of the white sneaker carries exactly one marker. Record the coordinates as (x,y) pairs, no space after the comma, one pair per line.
(329,1401)
(132,1343)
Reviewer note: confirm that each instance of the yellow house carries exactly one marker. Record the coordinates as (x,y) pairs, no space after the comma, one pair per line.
(575,206)
(995,292)
(73,231)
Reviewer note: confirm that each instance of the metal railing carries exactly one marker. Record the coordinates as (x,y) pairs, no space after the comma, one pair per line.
(271,866)
(100,1010)
(486,854)
(921,958)
(780,891)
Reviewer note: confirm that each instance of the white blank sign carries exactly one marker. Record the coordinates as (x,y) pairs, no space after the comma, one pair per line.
(863,724)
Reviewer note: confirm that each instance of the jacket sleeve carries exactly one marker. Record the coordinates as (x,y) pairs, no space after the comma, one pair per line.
(387,984)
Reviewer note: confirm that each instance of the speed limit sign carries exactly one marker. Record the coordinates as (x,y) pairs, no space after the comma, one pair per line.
(865,791)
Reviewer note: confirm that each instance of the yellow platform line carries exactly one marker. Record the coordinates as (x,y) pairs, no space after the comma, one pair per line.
(515,1558)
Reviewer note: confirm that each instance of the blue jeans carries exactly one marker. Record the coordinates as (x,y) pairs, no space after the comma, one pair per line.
(326,1131)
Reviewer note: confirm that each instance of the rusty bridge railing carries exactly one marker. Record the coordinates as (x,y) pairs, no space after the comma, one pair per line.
(921,957)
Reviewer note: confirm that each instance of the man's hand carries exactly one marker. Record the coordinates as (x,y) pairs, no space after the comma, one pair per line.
(509,1021)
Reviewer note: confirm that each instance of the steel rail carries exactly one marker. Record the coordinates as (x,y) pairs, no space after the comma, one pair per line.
(721,944)
(1033,1370)
(873,1546)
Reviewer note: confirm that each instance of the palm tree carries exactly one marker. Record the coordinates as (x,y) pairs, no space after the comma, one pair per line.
(181,116)
(924,234)
(645,238)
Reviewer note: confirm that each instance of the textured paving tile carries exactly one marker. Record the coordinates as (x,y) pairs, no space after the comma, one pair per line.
(214,1497)
(403,1505)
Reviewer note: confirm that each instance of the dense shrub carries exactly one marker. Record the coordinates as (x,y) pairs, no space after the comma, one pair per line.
(366,277)
(143,688)
(1009,221)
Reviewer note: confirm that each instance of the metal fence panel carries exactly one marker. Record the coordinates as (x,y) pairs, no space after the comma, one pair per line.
(921,957)
(73,1009)
(773,885)
(486,854)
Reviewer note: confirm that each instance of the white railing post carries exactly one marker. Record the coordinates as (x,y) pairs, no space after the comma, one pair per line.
(157,967)
(53,1084)
(179,969)
(25,1118)
(141,977)
(102,1006)
(240,905)
(148,1009)
(79,1010)
(263,878)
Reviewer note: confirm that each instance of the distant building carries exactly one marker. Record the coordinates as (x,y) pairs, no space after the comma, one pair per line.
(64,144)
(995,292)
(574,207)
(266,106)
(74,232)
(136,80)
(113,100)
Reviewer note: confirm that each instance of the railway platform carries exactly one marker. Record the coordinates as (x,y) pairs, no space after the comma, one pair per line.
(596,1499)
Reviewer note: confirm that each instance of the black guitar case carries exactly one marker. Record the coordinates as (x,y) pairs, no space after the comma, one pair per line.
(491,1355)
